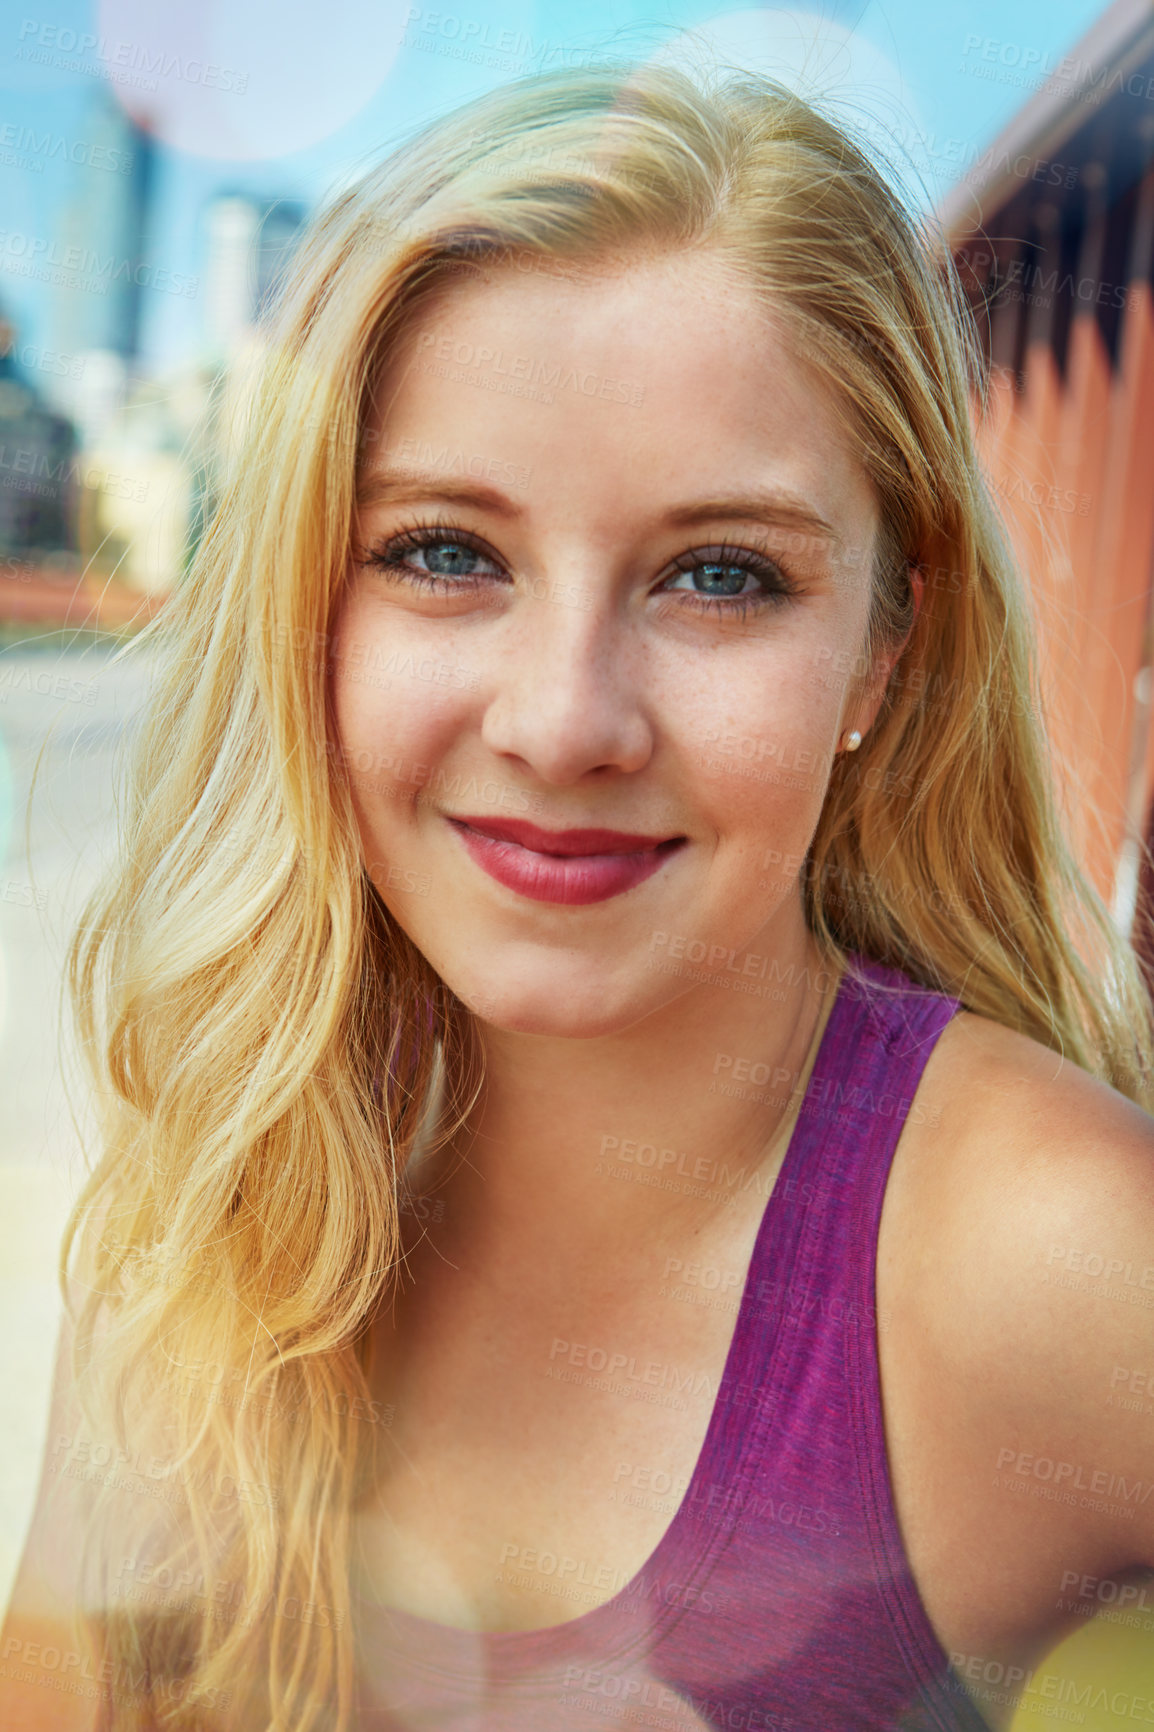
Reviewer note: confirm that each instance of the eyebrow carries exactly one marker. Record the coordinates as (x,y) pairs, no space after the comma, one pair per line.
(385,484)
(769,507)
(772,506)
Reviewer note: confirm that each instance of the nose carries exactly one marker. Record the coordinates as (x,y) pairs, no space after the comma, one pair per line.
(566,688)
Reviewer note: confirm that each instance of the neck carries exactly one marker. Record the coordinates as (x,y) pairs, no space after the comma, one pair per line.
(654,1128)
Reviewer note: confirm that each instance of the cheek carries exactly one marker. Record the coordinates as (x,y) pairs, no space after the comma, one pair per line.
(760,742)
(395,708)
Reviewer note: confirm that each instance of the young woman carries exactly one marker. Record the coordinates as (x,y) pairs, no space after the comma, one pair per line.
(615,1088)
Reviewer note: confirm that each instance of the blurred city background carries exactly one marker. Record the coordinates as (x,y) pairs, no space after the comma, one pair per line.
(157,163)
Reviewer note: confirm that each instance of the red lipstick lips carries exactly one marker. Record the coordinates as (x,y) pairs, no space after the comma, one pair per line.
(564,842)
(566,866)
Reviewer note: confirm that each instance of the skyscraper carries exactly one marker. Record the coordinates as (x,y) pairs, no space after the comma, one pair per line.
(102,246)
(248,242)
(105,232)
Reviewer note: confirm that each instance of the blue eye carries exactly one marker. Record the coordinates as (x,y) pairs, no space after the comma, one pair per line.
(721,580)
(724,574)
(447,558)
(448,555)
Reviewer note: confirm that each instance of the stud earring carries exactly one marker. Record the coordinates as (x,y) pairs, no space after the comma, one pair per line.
(851,741)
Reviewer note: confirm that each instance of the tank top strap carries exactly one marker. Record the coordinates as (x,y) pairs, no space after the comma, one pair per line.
(815,1255)
(881,1033)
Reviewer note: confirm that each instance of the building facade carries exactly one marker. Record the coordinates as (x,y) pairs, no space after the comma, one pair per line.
(1053,235)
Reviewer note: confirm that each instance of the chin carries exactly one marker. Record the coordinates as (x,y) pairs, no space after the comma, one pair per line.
(552,1010)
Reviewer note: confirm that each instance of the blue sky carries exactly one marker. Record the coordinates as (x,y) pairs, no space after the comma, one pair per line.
(287,98)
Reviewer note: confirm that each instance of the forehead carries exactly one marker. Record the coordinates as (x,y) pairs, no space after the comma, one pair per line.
(651,372)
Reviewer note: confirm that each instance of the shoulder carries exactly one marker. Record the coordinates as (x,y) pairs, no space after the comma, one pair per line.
(1026,1135)
(1030,1209)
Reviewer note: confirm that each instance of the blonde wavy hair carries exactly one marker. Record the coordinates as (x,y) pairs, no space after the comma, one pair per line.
(266,1041)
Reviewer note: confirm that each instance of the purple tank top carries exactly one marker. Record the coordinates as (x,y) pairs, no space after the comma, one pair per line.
(779,1597)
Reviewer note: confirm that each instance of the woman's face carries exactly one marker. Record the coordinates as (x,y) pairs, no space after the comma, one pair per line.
(613,557)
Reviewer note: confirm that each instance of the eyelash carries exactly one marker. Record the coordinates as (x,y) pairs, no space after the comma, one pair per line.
(417,536)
